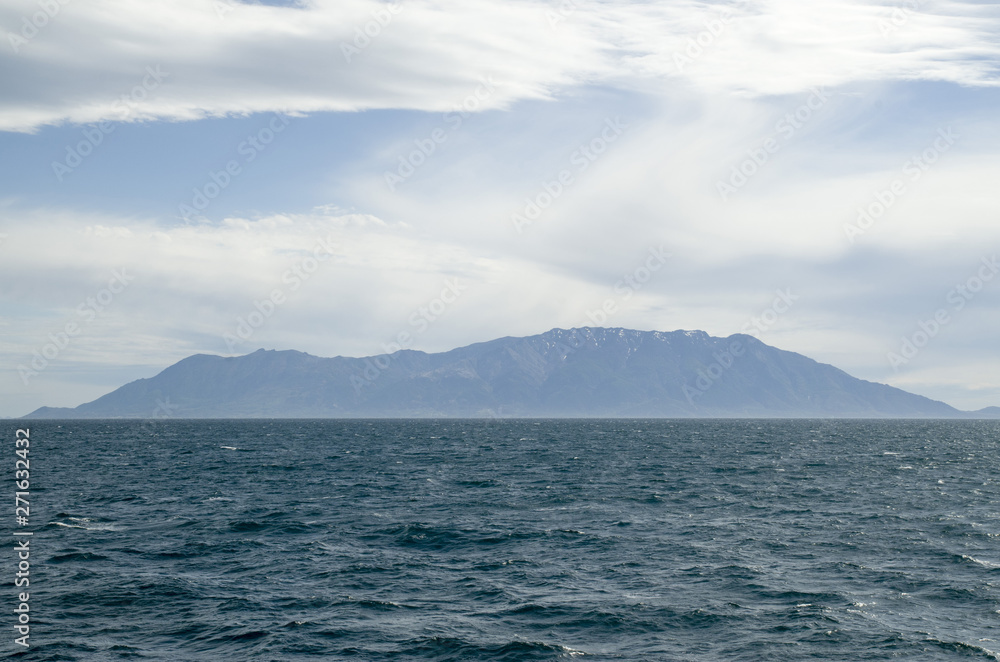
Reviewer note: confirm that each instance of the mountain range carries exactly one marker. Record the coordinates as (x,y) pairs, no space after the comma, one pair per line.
(584,372)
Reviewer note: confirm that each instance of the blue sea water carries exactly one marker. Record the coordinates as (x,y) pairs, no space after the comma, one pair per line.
(511,540)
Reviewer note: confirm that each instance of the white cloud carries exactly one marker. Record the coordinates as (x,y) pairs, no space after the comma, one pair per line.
(433,53)
(191,283)
(655,186)
(257,58)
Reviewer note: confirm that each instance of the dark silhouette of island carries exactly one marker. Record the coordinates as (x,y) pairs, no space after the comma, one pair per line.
(587,372)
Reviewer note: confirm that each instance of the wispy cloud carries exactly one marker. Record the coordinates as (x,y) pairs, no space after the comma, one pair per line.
(256,58)
(816,109)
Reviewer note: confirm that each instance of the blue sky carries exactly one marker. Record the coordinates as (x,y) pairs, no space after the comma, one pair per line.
(534,153)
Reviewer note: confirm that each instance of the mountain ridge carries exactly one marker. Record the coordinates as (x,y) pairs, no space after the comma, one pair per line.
(583,372)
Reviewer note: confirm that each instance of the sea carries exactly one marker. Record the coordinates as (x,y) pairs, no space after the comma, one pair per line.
(507,540)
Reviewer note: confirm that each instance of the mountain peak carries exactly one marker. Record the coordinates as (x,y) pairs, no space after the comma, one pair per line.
(579,372)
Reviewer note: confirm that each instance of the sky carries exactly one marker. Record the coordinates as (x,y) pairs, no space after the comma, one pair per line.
(349,177)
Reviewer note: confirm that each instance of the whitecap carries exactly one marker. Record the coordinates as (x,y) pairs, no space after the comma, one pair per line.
(68,526)
(985,564)
(103,527)
(92,527)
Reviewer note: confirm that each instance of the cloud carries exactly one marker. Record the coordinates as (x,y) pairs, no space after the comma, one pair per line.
(194,284)
(700,89)
(694,174)
(92,61)
(778,47)
(346,280)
